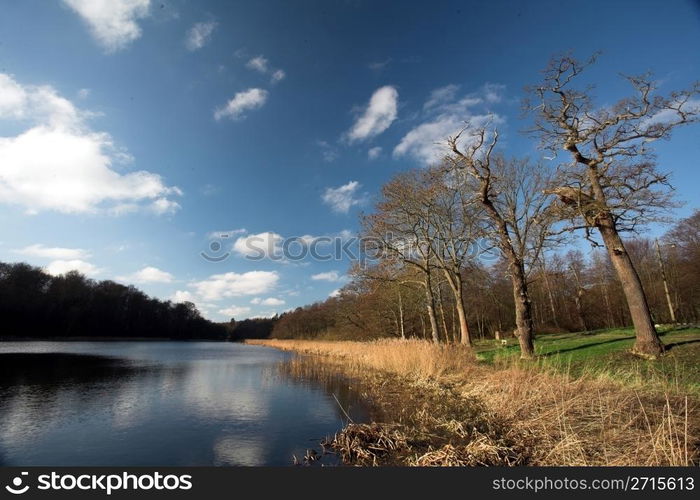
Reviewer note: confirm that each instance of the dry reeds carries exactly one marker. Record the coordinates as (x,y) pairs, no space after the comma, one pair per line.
(443,408)
(412,358)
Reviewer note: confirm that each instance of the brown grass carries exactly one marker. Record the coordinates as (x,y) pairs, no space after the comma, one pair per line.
(446,409)
(414,358)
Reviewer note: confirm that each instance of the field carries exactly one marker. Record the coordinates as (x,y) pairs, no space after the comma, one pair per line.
(604,354)
(585,401)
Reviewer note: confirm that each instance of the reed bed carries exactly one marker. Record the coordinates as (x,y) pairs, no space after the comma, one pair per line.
(413,358)
(445,408)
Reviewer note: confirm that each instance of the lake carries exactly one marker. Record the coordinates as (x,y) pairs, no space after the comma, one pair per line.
(161,403)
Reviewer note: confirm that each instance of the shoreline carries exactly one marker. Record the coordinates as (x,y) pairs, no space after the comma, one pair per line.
(105,339)
(437,407)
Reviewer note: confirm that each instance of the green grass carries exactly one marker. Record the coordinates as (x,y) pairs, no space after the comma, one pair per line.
(605,354)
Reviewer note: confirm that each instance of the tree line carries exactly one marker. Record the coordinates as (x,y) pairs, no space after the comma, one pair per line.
(432,229)
(34,304)
(570,291)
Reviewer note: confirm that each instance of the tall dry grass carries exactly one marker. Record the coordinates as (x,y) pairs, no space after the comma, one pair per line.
(573,421)
(413,358)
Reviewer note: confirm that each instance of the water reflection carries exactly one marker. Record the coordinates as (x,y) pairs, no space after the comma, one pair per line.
(161,403)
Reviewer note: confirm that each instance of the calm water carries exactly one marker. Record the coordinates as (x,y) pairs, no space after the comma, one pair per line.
(160,403)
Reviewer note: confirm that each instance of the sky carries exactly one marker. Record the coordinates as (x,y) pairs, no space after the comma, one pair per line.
(177,145)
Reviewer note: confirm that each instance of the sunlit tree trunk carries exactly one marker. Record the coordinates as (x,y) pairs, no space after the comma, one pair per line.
(647,341)
(523,311)
(578,299)
(430,305)
(402,324)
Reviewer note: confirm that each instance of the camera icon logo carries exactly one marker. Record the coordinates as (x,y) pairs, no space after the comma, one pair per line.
(16,487)
(217,251)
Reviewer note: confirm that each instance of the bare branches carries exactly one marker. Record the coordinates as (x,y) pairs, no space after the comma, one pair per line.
(565,117)
(613,168)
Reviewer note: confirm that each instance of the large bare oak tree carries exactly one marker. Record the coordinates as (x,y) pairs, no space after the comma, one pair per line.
(612,183)
(516,211)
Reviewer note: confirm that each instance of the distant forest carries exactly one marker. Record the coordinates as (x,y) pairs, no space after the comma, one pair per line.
(34,304)
(569,292)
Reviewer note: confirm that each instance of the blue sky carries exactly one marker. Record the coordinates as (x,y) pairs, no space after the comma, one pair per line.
(133,131)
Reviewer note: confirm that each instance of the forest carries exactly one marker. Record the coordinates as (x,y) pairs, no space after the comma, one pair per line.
(570,291)
(35,304)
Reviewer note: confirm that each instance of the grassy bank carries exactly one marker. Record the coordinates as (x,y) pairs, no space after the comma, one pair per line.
(605,355)
(583,402)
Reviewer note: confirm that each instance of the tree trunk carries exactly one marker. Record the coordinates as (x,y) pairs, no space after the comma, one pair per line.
(465,335)
(550,295)
(647,342)
(523,306)
(430,301)
(443,317)
(455,282)
(523,311)
(669,302)
(578,299)
(454,323)
(402,326)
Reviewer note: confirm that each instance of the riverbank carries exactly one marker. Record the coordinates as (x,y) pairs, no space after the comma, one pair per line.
(440,405)
(106,339)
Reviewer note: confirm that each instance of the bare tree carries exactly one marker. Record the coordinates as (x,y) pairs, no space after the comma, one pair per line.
(576,266)
(399,230)
(612,185)
(516,208)
(457,226)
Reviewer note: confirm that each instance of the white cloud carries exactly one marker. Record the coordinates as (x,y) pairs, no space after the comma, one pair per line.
(331,276)
(149,274)
(199,35)
(378,116)
(241,102)
(112,22)
(163,206)
(60,266)
(277,76)
(219,286)
(493,92)
(234,311)
(84,93)
(374,153)
(258,63)
(444,115)
(270,245)
(262,65)
(342,198)
(667,115)
(39,250)
(259,246)
(441,95)
(271,301)
(428,141)
(335,293)
(183,296)
(60,164)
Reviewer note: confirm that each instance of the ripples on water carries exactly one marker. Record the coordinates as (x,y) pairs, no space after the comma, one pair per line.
(161,403)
